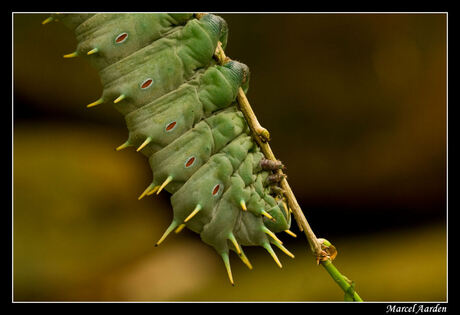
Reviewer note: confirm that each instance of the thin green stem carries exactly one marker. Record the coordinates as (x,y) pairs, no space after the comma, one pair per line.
(340,280)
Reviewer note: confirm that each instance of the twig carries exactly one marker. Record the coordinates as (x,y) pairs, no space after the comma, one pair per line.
(341,280)
(262,136)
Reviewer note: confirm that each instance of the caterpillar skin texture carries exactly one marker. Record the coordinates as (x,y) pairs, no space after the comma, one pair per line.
(181,112)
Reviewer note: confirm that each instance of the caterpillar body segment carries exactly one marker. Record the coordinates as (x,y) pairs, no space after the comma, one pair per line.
(184,156)
(116,36)
(180,108)
(177,57)
(169,116)
(71,20)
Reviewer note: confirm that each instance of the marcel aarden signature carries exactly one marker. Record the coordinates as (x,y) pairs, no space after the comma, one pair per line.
(416,308)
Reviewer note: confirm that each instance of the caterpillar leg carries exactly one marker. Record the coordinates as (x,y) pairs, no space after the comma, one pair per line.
(148,190)
(227,266)
(272,253)
(290,233)
(283,249)
(195,211)
(71,55)
(98,102)
(166,182)
(245,260)
(170,228)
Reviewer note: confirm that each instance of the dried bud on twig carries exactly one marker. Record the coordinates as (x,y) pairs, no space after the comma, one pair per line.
(271,165)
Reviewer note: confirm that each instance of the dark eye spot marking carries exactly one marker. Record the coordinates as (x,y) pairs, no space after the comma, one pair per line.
(190,161)
(121,38)
(147,83)
(171,126)
(216,189)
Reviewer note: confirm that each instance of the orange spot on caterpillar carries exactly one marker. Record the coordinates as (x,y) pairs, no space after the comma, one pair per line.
(170,126)
(190,161)
(146,83)
(215,190)
(121,38)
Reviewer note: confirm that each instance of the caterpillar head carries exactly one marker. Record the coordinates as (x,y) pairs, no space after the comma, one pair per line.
(239,72)
(217,26)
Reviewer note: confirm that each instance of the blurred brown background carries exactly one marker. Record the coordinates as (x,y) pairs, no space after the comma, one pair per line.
(356,106)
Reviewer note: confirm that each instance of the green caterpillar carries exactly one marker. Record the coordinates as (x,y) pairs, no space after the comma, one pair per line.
(180,108)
